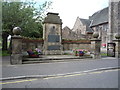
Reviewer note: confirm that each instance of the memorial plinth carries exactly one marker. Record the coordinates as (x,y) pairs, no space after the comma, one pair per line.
(52,34)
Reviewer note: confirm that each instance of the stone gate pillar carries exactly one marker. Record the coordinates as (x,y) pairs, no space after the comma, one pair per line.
(96,46)
(52,34)
(117,48)
(16,56)
(117,45)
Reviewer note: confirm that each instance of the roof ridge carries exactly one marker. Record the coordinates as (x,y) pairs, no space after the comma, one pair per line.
(100,11)
(99,17)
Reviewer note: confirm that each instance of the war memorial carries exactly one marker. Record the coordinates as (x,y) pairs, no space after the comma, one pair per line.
(52,43)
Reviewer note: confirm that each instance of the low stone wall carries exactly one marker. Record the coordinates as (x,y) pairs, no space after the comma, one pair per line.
(31,44)
(67,44)
(82,44)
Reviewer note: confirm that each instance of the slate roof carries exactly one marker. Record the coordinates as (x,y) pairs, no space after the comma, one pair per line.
(86,22)
(99,17)
(66,27)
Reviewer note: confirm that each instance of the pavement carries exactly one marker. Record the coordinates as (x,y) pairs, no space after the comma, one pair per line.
(5,60)
(51,58)
(60,58)
(46,58)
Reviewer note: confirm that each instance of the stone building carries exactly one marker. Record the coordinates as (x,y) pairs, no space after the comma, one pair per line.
(99,23)
(67,33)
(81,30)
(84,28)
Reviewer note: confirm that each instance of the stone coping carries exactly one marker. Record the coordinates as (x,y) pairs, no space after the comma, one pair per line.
(117,40)
(94,39)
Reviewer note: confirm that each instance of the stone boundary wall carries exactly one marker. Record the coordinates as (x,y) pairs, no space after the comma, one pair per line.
(31,44)
(67,44)
(81,44)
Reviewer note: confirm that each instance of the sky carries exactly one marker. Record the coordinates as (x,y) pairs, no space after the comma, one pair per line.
(69,10)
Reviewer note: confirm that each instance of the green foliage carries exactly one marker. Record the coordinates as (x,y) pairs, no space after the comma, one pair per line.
(24,15)
(29,38)
(0,44)
(4,53)
(103,54)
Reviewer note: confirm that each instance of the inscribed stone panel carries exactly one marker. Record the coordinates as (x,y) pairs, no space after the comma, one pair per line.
(54,47)
(53,38)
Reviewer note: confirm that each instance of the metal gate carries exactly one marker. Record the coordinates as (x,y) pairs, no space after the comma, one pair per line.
(111,49)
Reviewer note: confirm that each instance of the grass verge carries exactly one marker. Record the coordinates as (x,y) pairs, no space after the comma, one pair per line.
(4,53)
(103,54)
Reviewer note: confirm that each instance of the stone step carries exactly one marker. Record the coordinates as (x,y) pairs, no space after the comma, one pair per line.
(41,59)
(47,60)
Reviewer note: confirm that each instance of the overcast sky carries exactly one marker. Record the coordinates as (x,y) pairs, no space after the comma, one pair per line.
(69,10)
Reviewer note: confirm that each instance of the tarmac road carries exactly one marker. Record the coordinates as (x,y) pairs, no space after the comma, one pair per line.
(56,68)
(97,79)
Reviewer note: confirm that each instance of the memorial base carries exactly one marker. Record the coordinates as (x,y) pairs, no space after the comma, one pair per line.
(16,59)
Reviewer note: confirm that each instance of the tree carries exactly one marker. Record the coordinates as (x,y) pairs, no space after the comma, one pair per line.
(24,15)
